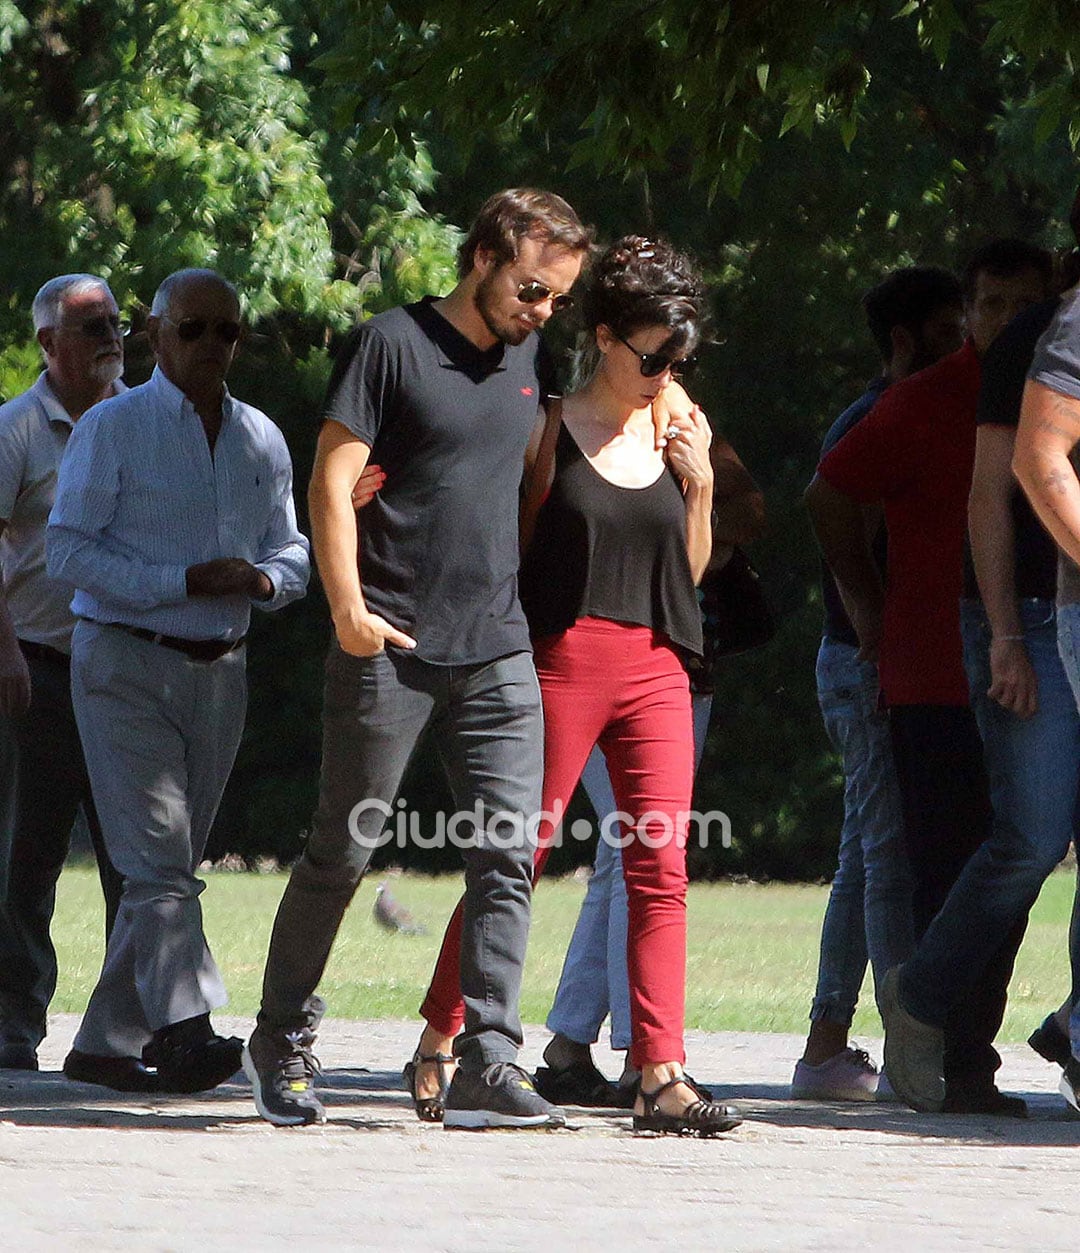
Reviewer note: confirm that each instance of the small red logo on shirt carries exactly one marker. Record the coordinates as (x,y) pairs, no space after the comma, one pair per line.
(526,391)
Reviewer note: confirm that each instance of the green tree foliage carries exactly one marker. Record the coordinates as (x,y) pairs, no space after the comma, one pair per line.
(648,82)
(852,137)
(941,161)
(145,135)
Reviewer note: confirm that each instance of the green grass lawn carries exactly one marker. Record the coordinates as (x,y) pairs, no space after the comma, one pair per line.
(752,949)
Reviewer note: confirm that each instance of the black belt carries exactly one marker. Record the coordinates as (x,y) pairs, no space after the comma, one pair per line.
(44,652)
(197,650)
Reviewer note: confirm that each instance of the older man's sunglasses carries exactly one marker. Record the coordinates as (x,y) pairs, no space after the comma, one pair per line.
(654,363)
(534,293)
(191,329)
(103,327)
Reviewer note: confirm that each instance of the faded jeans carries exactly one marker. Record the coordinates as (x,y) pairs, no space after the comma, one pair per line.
(1068,636)
(869,909)
(1033,766)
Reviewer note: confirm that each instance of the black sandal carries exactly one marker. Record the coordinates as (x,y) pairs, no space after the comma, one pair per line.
(429,1108)
(700,1118)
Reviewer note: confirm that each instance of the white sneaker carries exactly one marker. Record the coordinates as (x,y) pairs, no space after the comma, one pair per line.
(849,1076)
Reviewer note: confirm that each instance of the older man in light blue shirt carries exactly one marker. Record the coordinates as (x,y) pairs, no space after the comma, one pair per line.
(173,515)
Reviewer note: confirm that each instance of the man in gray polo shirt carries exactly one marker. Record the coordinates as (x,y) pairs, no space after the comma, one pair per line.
(1046,460)
(43,778)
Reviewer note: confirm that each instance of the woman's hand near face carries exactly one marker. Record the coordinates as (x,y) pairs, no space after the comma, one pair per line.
(672,404)
(687,448)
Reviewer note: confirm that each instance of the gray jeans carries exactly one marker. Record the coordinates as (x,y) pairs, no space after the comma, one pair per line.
(488,730)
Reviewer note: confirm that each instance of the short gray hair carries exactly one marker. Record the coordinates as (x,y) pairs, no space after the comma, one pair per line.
(48,303)
(169,286)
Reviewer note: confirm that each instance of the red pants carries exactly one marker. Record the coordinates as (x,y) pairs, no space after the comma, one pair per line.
(625,688)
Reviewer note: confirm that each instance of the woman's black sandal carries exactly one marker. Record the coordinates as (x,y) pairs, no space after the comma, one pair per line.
(429,1108)
(699,1118)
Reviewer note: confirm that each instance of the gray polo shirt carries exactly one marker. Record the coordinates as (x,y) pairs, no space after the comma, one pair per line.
(34,430)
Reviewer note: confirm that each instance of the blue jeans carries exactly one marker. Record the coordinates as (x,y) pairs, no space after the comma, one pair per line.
(1068,633)
(869,909)
(594,980)
(1033,766)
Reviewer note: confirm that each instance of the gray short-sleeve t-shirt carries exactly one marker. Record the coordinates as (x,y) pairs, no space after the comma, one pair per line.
(1056,365)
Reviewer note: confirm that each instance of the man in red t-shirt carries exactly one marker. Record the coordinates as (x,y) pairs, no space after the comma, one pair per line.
(913,455)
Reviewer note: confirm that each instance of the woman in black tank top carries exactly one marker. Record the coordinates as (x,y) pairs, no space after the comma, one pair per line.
(616,548)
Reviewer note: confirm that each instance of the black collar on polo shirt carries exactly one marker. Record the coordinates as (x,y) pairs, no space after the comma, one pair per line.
(457,351)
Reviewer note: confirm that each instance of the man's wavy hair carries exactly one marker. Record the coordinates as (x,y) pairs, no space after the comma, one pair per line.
(509,216)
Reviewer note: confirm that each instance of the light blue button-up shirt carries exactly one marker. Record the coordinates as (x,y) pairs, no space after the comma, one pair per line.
(139,498)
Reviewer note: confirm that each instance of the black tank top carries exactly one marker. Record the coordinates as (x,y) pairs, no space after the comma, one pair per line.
(604,551)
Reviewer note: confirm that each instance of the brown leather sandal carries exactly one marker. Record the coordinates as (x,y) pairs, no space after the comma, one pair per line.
(700,1118)
(430,1108)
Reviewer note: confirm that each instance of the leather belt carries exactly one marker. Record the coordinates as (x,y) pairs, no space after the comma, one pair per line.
(44,652)
(197,650)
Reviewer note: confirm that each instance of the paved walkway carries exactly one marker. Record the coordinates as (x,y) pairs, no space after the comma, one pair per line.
(84,1169)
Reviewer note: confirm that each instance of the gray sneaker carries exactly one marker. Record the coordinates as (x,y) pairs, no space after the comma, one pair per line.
(500,1095)
(913,1051)
(282,1070)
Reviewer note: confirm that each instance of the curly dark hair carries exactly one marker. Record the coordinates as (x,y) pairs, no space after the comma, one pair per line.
(639,282)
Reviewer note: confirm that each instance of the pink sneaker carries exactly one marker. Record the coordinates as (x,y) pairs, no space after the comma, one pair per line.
(849,1076)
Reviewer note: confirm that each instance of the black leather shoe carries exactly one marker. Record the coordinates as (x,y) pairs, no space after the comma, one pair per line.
(190,1058)
(983,1101)
(1049,1041)
(122,1074)
(15,1055)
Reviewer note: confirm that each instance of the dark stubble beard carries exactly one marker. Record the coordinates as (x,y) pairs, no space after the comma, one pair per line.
(513,333)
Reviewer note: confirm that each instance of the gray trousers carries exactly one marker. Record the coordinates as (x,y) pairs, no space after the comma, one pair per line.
(160,734)
(488,729)
(42,786)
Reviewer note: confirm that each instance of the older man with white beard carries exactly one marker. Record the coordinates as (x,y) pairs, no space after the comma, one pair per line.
(43,778)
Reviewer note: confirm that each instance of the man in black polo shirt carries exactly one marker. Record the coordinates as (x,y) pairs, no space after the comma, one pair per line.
(442,394)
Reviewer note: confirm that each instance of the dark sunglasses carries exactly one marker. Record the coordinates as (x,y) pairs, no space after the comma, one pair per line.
(534,293)
(654,363)
(100,328)
(191,329)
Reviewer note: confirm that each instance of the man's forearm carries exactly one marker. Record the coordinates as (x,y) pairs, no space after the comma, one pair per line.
(699,528)
(840,527)
(1049,430)
(993,553)
(334,540)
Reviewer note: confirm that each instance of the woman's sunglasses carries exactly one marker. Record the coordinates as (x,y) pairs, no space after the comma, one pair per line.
(654,363)
(191,329)
(534,293)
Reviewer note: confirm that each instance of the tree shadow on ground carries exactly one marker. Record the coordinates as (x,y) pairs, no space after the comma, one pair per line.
(50,1099)
(1049,1123)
